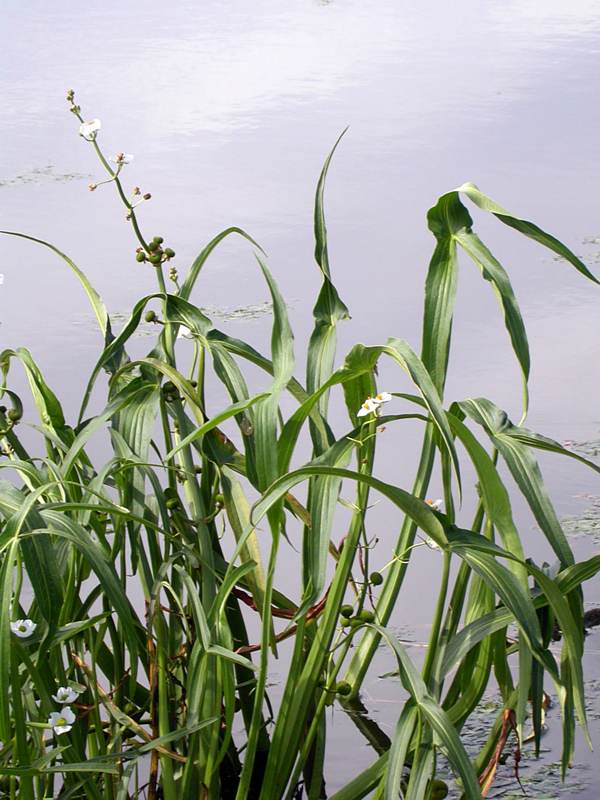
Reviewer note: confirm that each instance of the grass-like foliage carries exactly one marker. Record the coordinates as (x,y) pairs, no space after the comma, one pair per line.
(131,672)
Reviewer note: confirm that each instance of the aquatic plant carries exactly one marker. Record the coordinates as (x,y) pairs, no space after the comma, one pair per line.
(131,673)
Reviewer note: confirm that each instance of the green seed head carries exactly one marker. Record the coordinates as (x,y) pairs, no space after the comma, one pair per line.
(346,610)
(343,689)
(140,257)
(155,258)
(150,316)
(158,239)
(376,578)
(152,246)
(169,252)
(366,616)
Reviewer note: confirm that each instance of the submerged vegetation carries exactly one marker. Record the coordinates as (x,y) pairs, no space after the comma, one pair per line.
(140,612)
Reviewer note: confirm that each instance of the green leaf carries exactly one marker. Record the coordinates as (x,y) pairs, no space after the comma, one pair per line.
(199,261)
(435,716)
(527,228)
(494,272)
(329,308)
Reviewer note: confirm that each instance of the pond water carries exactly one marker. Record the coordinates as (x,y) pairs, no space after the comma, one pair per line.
(230,109)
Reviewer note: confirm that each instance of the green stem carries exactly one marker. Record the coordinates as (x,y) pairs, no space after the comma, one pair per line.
(437,620)
(365,651)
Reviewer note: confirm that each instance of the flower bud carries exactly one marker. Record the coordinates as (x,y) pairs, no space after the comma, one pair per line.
(140,257)
(147,196)
(92,187)
(343,688)
(150,316)
(152,246)
(155,258)
(346,610)
(15,414)
(158,239)
(169,252)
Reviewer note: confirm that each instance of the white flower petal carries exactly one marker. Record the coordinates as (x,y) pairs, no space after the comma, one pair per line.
(368,407)
(89,129)
(382,397)
(23,628)
(435,504)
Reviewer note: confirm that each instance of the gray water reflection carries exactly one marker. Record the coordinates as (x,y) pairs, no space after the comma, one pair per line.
(230,110)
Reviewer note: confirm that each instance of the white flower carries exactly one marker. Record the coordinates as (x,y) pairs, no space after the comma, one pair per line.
(382,397)
(89,129)
(370,406)
(122,158)
(65,694)
(435,504)
(61,721)
(23,628)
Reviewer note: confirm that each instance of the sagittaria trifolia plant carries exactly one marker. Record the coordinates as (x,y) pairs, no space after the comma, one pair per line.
(109,697)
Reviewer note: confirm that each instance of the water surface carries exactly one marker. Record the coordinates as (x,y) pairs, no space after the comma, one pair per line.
(230,110)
